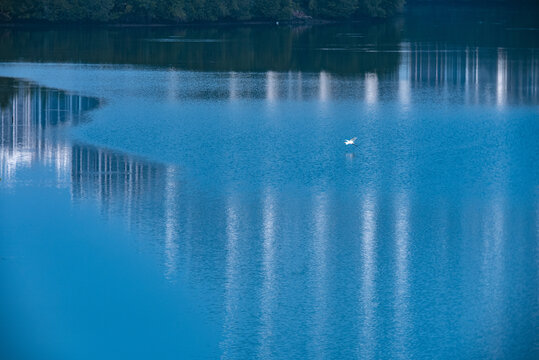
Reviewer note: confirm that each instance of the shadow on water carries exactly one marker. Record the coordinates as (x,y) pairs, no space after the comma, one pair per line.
(336,49)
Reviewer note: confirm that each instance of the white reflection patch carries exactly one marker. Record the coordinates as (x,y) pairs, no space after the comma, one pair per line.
(271,86)
(319,264)
(367,341)
(62,163)
(171,225)
(404,92)
(371,88)
(17,124)
(232,86)
(268,291)
(402,298)
(324,86)
(493,274)
(299,94)
(404,74)
(232,274)
(172,85)
(501,78)
(476,66)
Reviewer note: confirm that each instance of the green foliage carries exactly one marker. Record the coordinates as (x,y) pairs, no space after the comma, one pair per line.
(77,10)
(333,8)
(272,9)
(173,11)
(380,8)
(22,9)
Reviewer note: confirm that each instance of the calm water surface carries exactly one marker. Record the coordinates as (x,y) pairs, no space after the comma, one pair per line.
(186,192)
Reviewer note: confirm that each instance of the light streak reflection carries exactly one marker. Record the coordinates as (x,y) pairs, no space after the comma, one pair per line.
(233,86)
(402,321)
(232,274)
(501,78)
(371,88)
(492,271)
(367,340)
(271,86)
(324,86)
(404,75)
(269,286)
(320,276)
(171,224)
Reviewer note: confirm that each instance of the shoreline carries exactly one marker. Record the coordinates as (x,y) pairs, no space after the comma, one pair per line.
(310,22)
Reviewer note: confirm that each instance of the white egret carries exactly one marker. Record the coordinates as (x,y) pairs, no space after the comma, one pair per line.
(351,141)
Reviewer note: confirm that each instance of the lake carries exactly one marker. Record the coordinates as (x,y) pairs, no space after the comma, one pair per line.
(185,192)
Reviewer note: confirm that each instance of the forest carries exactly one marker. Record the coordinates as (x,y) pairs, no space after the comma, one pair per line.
(179,11)
(184,11)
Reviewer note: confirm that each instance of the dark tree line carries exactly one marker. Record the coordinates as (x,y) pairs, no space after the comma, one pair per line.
(233,48)
(174,11)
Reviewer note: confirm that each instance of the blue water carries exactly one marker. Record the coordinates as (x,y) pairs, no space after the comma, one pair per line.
(151,212)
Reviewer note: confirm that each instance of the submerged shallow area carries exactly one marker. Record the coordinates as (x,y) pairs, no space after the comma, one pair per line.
(199,204)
